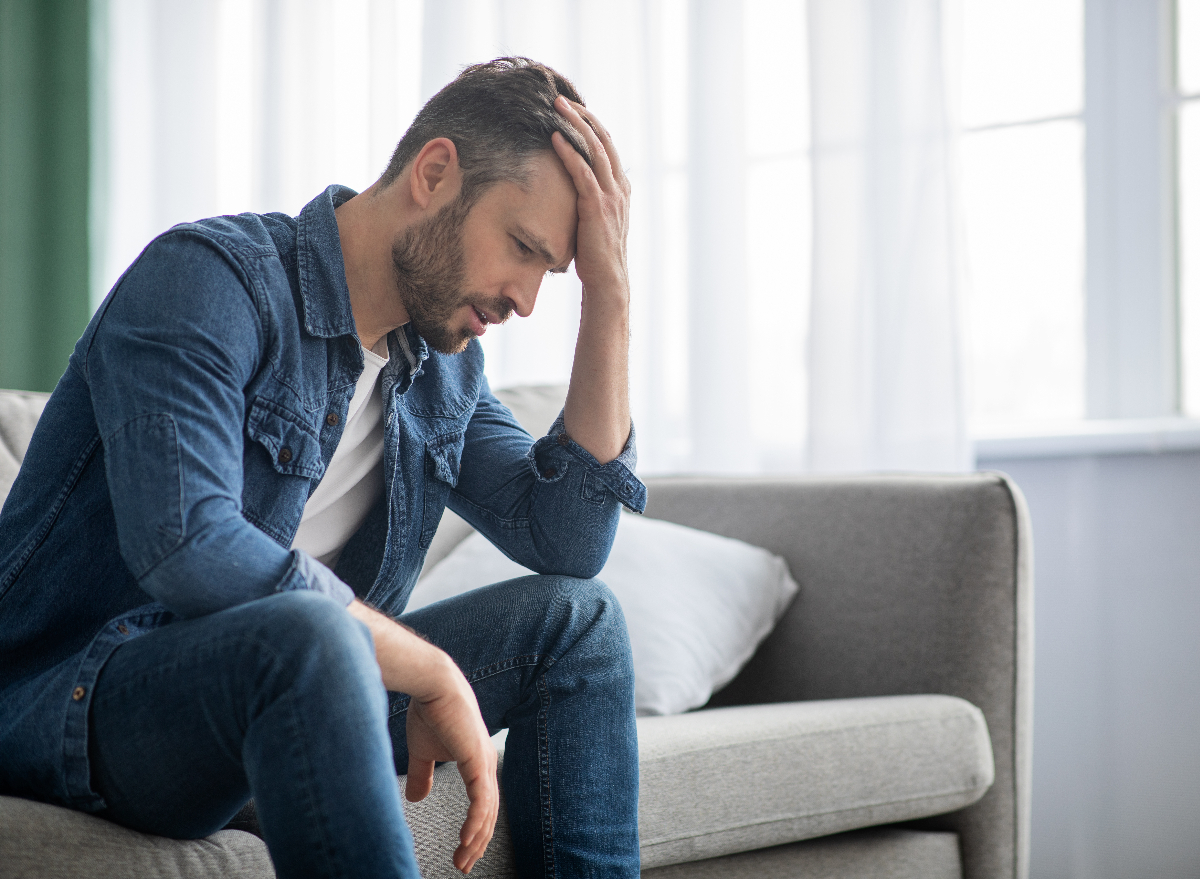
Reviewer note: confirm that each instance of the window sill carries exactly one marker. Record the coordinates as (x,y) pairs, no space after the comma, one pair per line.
(1131,436)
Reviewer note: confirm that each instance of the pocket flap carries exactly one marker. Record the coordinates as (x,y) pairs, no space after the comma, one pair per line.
(294,450)
(445,455)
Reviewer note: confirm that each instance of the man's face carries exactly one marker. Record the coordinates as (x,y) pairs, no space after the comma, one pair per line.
(461,270)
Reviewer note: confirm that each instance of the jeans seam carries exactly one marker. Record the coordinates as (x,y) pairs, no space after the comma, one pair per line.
(488,671)
(504,665)
(544,778)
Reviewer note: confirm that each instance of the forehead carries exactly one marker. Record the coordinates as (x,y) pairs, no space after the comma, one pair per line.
(543,203)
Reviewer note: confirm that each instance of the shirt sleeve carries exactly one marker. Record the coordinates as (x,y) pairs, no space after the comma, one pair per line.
(180,338)
(548,505)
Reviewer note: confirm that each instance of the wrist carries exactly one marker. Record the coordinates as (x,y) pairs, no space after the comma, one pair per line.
(432,672)
(611,298)
(610,284)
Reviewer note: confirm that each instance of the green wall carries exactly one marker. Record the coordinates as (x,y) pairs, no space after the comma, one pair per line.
(43,188)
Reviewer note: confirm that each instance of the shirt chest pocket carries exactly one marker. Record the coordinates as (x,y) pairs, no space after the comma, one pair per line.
(289,443)
(443,456)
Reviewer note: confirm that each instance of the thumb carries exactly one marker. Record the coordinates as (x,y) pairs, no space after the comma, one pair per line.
(420,780)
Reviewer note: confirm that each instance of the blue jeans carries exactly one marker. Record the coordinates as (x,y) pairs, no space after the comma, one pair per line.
(281,699)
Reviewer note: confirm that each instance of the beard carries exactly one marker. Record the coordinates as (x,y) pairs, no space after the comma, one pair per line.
(429,267)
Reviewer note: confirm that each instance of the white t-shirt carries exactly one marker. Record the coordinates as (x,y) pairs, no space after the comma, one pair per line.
(353,480)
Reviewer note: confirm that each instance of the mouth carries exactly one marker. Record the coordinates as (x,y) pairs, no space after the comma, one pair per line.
(481,320)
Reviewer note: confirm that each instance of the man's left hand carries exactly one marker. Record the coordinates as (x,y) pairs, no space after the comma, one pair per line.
(600,249)
(597,410)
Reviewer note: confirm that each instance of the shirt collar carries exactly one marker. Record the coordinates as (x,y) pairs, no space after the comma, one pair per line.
(322,271)
(323,287)
(415,349)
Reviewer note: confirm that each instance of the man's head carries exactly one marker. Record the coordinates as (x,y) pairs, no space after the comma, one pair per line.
(498,114)
(500,117)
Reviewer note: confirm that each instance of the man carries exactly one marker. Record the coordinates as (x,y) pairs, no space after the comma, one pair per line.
(258,393)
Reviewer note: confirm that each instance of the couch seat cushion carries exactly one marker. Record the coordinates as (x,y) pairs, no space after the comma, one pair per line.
(712,783)
(19,412)
(734,779)
(50,842)
(877,853)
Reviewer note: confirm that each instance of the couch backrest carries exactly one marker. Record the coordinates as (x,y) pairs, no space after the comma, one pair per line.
(908,584)
(19,412)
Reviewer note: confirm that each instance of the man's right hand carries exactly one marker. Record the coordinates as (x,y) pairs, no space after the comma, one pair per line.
(444,724)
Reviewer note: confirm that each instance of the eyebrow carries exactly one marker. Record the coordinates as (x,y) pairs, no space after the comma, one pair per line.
(539,246)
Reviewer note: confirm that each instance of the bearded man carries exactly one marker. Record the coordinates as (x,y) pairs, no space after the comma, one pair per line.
(206,556)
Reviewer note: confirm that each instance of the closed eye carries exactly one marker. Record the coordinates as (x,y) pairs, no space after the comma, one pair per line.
(537,248)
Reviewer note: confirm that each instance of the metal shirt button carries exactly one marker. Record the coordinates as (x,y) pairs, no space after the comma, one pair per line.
(285,455)
(123,629)
(563,439)
(550,472)
(78,693)
(332,419)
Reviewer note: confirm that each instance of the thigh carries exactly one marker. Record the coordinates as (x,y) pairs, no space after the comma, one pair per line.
(170,716)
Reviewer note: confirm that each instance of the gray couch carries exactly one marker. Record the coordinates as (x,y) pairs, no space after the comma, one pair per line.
(881,730)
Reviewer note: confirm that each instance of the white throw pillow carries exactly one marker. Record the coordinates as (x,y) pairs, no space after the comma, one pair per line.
(696,604)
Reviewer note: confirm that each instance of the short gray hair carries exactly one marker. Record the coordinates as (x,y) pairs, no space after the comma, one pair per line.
(498,114)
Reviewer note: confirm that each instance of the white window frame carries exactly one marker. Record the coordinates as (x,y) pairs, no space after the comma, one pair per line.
(1133,395)
(1132,328)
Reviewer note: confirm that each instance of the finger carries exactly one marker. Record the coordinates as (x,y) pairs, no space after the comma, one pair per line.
(468,853)
(420,780)
(604,136)
(482,810)
(601,163)
(581,173)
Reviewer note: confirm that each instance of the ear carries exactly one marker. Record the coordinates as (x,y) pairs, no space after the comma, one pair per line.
(435,175)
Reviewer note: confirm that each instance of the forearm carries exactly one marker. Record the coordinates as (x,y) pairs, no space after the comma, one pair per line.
(226,563)
(409,663)
(597,408)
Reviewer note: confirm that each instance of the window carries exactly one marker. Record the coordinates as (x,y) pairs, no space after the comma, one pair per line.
(1022,167)
(1081,177)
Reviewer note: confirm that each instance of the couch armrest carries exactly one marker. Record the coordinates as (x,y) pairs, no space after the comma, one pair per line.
(908,584)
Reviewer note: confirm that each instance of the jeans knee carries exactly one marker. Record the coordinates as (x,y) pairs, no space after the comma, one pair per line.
(594,614)
(313,638)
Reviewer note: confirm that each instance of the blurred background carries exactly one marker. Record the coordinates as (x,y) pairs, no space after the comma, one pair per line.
(867,235)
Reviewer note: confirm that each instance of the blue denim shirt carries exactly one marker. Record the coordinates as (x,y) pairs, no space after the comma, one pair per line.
(168,473)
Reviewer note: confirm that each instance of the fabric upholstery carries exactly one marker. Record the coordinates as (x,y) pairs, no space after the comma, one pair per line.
(735,779)
(886,853)
(534,406)
(49,842)
(802,770)
(19,412)
(908,584)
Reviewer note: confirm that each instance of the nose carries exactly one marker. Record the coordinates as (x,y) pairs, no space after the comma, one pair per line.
(523,294)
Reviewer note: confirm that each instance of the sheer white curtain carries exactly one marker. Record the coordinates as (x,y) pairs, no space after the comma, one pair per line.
(228,105)
(886,369)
